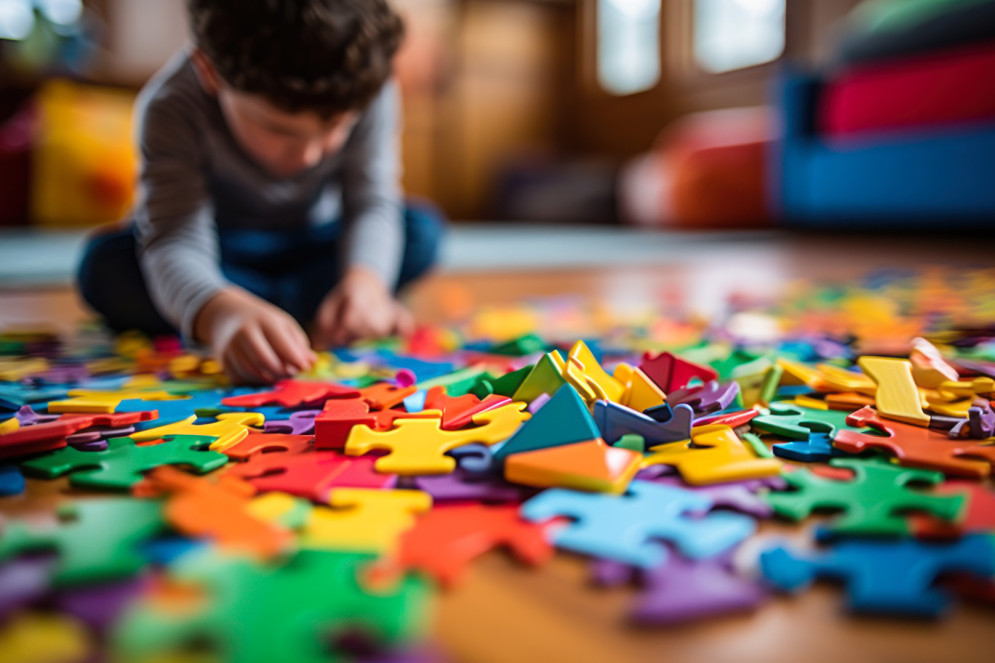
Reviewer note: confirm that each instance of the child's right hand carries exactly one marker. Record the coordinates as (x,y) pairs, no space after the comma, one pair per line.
(255,341)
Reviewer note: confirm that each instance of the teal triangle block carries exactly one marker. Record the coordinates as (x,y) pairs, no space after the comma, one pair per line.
(564,419)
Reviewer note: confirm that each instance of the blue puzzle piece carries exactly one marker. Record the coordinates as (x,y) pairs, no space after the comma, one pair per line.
(615,420)
(11,481)
(885,576)
(624,528)
(415,402)
(818,449)
(564,419)
(14,395)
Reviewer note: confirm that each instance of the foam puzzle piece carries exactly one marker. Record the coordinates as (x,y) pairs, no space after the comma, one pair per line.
(419,446)
(979,516)
(95,539)
(11,481)
(591,465)
(44,637)
(564,419)
(292,393)
(504,385)
(641,393)
(458,412)
(874,502)
(707,398)
(615,420)
(363,520)
(448,538)
(884,576)
(333,425)
(9,425)
(546,377)
(385,395)
(591,375)
(122,464)
(310,474)
(671,372)
(14,396)
(463,486)
(817,449)
(980,424)
(929,368)
(87,401)
(742,496)
(51,435)
(474,459)
(683,590)
(218,511)
(897,395)
(797,423)
(245,619)
(715,454)
(916,446)
(730,419)
(626,528)
(176,409)
(269,443)
(228,430)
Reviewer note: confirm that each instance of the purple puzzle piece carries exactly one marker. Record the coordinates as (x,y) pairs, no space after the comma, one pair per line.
(655,472)
(615,420)
(980,422)
(461,485)
(28,417)
(739,495)
(98,434)
(299,423)
(712,396)
(682,590)
(99,606)
(64,374)
(23,580)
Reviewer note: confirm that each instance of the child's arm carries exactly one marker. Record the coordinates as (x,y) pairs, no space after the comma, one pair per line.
(362,304)
(178,252)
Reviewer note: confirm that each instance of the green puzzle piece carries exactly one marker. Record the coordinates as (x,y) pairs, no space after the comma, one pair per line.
(875,501)
(96,539)
(259,613)
(504,385)
(797,423)
(120,466)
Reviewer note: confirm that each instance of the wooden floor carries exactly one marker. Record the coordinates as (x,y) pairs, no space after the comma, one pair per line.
(504,613)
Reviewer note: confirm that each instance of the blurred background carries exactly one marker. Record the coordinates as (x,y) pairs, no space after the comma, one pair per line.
(672,114)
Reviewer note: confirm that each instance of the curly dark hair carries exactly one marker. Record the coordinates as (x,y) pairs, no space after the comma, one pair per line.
(324,56)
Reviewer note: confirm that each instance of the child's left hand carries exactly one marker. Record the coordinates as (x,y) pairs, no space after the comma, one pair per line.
(359,307)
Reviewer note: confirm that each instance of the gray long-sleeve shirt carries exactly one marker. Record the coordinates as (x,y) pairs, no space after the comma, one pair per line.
(196,181)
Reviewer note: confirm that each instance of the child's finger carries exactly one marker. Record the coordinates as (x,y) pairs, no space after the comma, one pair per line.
(289,345)
(254,347)
(235,368)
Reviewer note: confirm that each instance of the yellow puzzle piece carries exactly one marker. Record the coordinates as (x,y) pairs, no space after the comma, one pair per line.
(641,393)
(230,429)
(34,638)
(834,379)
(718,455)
(419,446)
(9,426)
(897,395)
(364,519)
(608,387)
(89,401)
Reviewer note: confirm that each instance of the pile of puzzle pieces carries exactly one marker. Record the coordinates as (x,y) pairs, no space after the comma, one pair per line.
(149,508)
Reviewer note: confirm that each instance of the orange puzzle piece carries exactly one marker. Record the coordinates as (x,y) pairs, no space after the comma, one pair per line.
(591,465)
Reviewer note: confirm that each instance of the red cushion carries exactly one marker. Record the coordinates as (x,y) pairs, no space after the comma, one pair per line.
(928,91)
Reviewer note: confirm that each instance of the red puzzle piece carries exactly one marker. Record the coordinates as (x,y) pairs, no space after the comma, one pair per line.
(292,393)
(670,372)
(332,426)
(52,434)
(980,514)
(311,474)
(448,537)
(916,446)
(458,411)
(263,443)
(731,419)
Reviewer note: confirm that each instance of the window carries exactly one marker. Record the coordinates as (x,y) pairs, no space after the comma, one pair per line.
(733,34)
(628,45)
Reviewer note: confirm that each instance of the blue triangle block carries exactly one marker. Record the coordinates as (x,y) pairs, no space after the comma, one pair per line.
(564,419)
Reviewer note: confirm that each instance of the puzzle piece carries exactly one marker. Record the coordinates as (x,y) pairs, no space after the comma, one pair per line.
(713,455)
(615,420)
(817,449)
(363,520)
(564,419)
(122,464)
(591,465)
(743,496)
(419,446)
(310,474)
(448,538)
(915,446)
(884,576)
(546,377)
(461,486)
(257,613)
(979,516)
(32,637)
(797,423)
(292,393)
(707,398)
(385,395)
(475,459)
(897,396)
(589,376)
(458,412)
(504,385)
(174,410)
(682,590)
(51,435)
(256,443)
(730,419)
(875,501)
(95,539)
(219,511)
(88,401)
(980,424)
(625,528)
(670,372)
(333,425)
(641,393)
(229,429)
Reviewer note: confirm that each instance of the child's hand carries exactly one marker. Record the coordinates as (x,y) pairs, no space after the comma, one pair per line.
(255,341)
(359,307)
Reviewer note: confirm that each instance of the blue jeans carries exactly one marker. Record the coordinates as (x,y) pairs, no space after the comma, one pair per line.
(291,269)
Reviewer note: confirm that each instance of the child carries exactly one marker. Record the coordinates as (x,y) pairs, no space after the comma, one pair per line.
(269,195)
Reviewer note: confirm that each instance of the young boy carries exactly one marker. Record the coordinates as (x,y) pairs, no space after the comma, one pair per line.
(269,197)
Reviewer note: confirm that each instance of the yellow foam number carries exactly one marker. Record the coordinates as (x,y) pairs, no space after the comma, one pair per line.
(641,393)
(363,519)
(897,396)
(36,638)
(419,446)
(230,429)
(86,401)
(718,455)
(608,387)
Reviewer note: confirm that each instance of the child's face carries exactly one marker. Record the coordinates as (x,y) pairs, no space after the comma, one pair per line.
(284,143)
